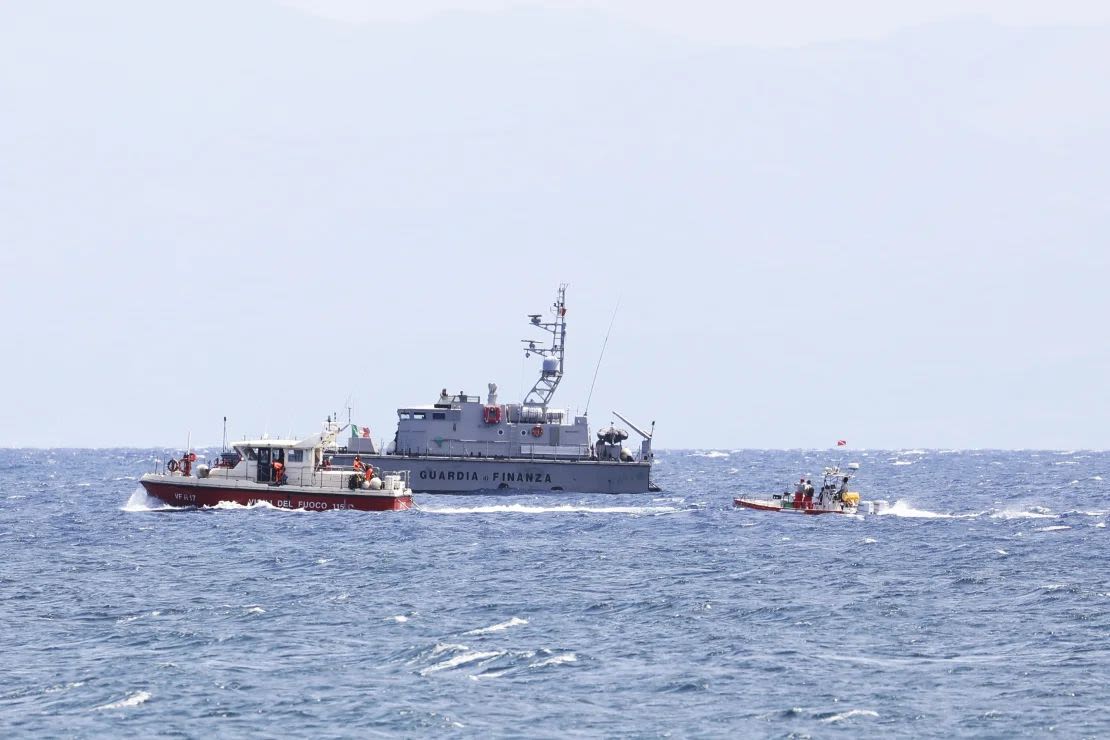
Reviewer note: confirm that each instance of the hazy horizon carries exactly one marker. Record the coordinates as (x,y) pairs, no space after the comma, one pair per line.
(885,226)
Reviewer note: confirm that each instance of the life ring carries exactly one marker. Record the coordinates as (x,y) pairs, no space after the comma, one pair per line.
(537,431)
(172,466)
(491,414)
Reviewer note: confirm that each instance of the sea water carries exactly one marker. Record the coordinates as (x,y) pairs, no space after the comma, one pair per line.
(979,605)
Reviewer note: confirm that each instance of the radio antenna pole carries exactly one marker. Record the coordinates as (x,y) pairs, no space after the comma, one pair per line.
(601,356)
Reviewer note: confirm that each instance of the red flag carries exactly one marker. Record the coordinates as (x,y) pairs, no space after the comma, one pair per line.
(841,442)
(366,431)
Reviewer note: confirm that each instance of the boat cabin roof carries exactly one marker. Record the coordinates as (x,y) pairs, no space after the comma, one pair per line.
(308,443)
(286,443)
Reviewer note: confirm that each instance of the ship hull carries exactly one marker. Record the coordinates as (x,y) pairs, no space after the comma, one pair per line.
(196,493)
(467,475)
(775,505)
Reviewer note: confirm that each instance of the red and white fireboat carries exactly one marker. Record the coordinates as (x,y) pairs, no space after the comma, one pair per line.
(833,497)
(285,473)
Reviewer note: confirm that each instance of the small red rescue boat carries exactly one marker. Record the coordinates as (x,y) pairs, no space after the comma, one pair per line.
(833,497)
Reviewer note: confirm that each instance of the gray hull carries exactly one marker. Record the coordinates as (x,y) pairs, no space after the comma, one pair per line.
(461,474)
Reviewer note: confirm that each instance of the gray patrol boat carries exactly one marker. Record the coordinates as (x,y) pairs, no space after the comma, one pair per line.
(462,444)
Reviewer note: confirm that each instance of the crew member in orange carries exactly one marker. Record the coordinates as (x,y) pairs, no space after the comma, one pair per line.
(358,466)
(279,472)
(369,471)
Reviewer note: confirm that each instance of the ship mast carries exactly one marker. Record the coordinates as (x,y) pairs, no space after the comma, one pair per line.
(552,371)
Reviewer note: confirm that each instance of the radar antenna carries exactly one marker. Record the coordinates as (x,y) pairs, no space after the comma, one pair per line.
(552,370)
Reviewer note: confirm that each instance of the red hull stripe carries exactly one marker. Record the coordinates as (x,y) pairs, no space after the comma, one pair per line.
(766,507)
(187,496)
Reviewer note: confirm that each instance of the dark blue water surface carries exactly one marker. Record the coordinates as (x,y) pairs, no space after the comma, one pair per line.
(978,607)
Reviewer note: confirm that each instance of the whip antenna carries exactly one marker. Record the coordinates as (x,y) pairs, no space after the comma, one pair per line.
(601,356)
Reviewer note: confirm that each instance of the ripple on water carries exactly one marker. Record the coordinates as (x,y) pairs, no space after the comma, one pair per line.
(605,615)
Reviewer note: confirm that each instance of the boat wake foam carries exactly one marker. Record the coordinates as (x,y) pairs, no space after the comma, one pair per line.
(904,509)
(1037,512)
(561,509)
(140,501)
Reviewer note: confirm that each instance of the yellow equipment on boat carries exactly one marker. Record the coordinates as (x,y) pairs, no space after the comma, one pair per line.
(851,498)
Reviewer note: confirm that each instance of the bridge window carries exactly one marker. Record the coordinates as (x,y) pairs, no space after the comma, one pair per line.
(295,456)
(439,417)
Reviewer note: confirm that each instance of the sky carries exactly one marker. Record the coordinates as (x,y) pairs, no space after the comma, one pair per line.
(784,23)
(884,224)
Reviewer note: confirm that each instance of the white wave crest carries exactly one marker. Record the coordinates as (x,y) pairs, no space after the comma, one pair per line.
(1057,528)
(442,647)
(64,687)
(500,627)
(902,462)
(132,701)
(556,660)
(713,454)
(463,659)
(851,713)
(561,509)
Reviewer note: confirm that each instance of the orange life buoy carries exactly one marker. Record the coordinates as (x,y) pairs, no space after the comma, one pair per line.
(537,431)
(172,466)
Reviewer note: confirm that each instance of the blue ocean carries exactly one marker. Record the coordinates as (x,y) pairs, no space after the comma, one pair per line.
(979,605)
